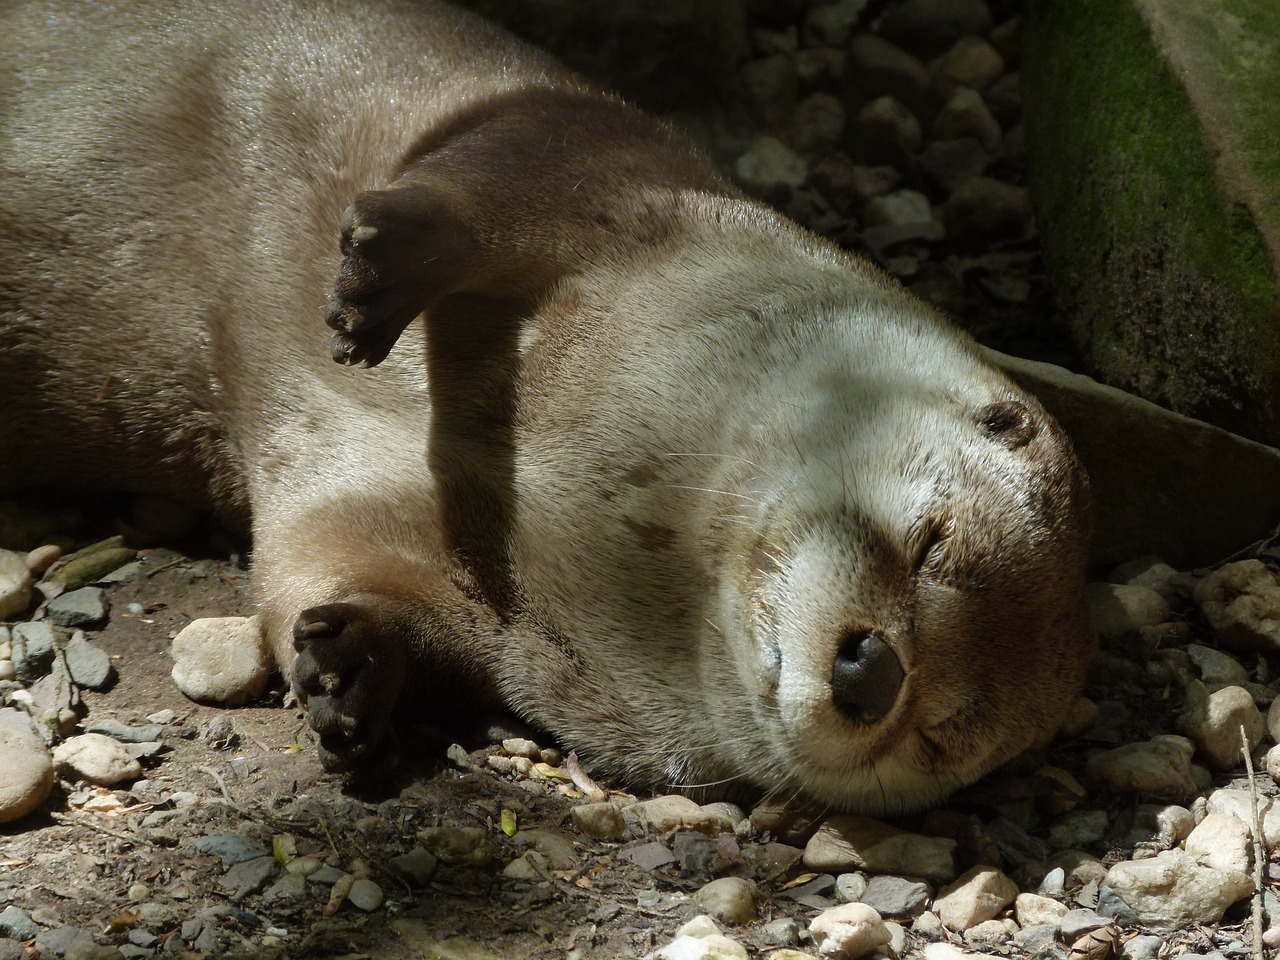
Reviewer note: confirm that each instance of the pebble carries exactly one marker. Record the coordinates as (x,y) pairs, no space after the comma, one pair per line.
(231,848)
(1159,768)
(849,931)
(966,114)
(457,846)
(850,887)
(847,842)
(32,653)
(1215,666)
(1079,828)
(89,666)
(15,584)
(1075,923)
(770,86)
(701,939)
(26,774)
(896,896)
(1213,722)
(247,877)
(1177,888)
(1119,609)
(95,759)
(948,163)
(365,895)
(221,660)
(17,924)
(982,211)
(1236,803)
(1034,910)
(124,732)
(730,900)
(978,894)
(885,131)
(783,932)
(1241,603)
(971,63)
(649,856)
(90,950)
(819,123)
(85,607)
(1145,946)
(12,950)
(664,815)
(988,933)
(90,564)
(877,68)
(414,867)
(899,208)
(769,166)
(41,559)
(555,846)
(602,821)
(1159,826)
(291,887)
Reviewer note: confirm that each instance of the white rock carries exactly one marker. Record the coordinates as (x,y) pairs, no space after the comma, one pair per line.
(988,932)
(731,900)
(769,164)
(898,208)
(849,931)
(1118,609)
(1213,722)
(1031,909)
(713,947)
(1159,825)
(1215,666)
(26,772)
(662,815)
(1160,768)
(1241,603)
(1172,890)
(1236,803)
(848,842)
(945,951)
(699,926)
(15,584)
(221,660)
(365,895)
(603,821)
(1270,763)
(1273,720)
(1221,842)
(96,759)
(978,894)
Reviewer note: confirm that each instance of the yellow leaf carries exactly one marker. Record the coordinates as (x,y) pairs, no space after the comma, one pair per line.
(509,822)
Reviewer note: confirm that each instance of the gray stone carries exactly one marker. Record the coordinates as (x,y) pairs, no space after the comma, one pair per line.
(1119,610)
(89,666)
(1077,829)
(85,607)
(877,68)
(1078,922)
(1241,603)
(847,842)
(17,924)
(414,867)
(1213,722)
(1217,667)
(971,63)
(231,848)
(1145,946)
(977,895)
(15,584)
(783,932)
(896,897)
(948,163)
(12,950)
(730,900)
(247,877)
(291,887)
(124,732)
(769,166)
(771,86)
(897,209)
(819,123)
(850,887)
(886,131)
(966,114)
(32,650)
(365,895)
(57,941)
(649,856)
(1160,768)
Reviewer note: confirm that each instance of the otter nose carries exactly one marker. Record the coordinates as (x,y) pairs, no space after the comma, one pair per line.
(866,677)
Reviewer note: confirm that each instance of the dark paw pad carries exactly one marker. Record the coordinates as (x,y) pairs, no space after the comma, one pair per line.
(348,676)
(400,251)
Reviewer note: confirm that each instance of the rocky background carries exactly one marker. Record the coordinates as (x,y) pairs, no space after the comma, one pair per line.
(138,822)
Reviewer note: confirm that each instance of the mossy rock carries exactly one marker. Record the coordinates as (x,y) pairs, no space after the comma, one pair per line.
(1151,135)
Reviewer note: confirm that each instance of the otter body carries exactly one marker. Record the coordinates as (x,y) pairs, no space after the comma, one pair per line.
(714,502)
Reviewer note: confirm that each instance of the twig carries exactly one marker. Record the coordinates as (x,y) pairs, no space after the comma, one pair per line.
(222,784)
(1259,849)
(67,821)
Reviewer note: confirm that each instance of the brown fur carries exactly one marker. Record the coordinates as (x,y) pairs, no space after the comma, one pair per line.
(653,458)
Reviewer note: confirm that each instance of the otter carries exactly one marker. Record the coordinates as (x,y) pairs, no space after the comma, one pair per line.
(712,501)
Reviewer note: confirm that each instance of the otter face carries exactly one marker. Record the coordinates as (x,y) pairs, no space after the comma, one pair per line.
(911,614)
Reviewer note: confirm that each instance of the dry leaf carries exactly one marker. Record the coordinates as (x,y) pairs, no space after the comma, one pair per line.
(581,780)
(339,893)
(1096,944)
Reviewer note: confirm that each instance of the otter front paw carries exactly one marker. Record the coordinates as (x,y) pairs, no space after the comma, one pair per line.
(402,250)
(348,676)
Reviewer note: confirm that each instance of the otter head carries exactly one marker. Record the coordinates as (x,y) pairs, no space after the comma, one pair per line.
(908,613)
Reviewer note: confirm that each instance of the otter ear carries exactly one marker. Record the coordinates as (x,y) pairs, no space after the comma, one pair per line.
(403,248)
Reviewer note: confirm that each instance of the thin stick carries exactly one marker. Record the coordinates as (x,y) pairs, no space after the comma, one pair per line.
(1259,850)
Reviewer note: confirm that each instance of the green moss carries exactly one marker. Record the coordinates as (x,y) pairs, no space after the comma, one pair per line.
(1170,287)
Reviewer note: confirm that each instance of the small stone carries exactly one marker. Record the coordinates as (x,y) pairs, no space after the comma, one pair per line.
(695,852)
(1159,826)
(1237,803)
(521,747)
(846,841)
(89,666)
(1076,923)
(26,774)
(1160,768)
(877,68)
(89,950)
(649,856)
(414,867)
(769,167)
(1082,718)
(982,211)
(56,942)
(95,759)
(1034,910)
(32,652)
(898,208)
(1079,828)
(730,900)
(1057,791)
(819,123)
(664,815)
(12,950)
(290,888)
(850,887)
(978,894)
(247,878)
(90,564)
(830,24)
(1241,603)
(988,933)
(457,846)
(1171,891)
(15,584)
(17,924)
(783,932)
(896,896)
(966,114)
(231,848)
(85,607)
(1145,946)
(849,931)
(162,717)
(1221,842)
(602,821)
(221,660)
(770,86)
(1213,722)
(885,131)
(126,733)
(929,27)
(365,895)
(948,163)
(1215,666)
(41,559)
(1119,609)
(971,62)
